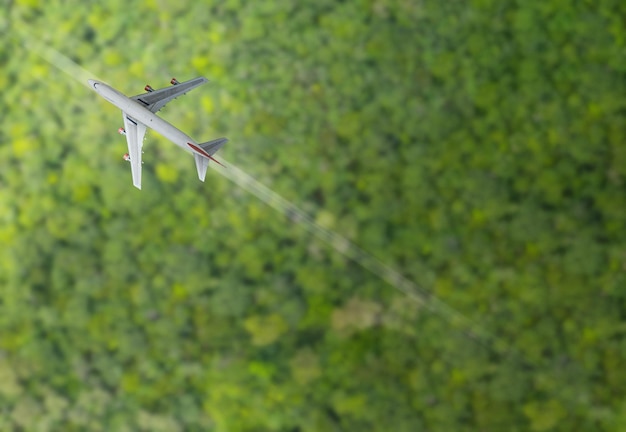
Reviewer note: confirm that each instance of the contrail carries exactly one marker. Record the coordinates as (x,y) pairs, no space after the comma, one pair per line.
(62,62)
(351,250)
(294,213)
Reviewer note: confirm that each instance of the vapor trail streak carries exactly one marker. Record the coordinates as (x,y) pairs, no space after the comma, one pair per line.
(350,250)
(62,62)
(291,211)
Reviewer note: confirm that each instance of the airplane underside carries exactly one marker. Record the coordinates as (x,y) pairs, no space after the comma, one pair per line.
(139,114)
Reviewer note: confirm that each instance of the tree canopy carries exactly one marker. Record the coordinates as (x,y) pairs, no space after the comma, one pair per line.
(477,147)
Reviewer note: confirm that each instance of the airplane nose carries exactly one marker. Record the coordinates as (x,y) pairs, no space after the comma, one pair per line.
(93,83)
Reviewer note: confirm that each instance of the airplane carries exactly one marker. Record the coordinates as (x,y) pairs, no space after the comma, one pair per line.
(138,113)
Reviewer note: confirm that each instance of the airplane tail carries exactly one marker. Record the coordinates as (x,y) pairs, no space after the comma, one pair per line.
(210,147)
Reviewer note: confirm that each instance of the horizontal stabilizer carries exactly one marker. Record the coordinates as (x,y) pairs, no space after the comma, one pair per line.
(211,147)
(204,152)
(202,164)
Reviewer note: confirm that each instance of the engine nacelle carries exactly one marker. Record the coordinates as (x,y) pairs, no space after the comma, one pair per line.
(121,131)
(174,81)
(148,88)
(126,157)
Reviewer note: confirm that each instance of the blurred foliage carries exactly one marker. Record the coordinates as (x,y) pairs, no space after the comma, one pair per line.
(478,146)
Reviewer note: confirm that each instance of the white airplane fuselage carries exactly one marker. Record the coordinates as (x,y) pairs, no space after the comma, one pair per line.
(145,116)
(139,114)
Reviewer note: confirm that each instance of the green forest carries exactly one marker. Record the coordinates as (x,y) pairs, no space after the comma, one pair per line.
(467,157)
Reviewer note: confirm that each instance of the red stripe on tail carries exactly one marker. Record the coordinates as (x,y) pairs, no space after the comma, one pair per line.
(203,153)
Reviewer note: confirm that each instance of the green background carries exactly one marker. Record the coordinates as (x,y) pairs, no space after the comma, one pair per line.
(476,146)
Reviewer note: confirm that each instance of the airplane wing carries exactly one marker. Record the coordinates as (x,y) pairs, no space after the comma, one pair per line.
(157,99)
(135,132)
